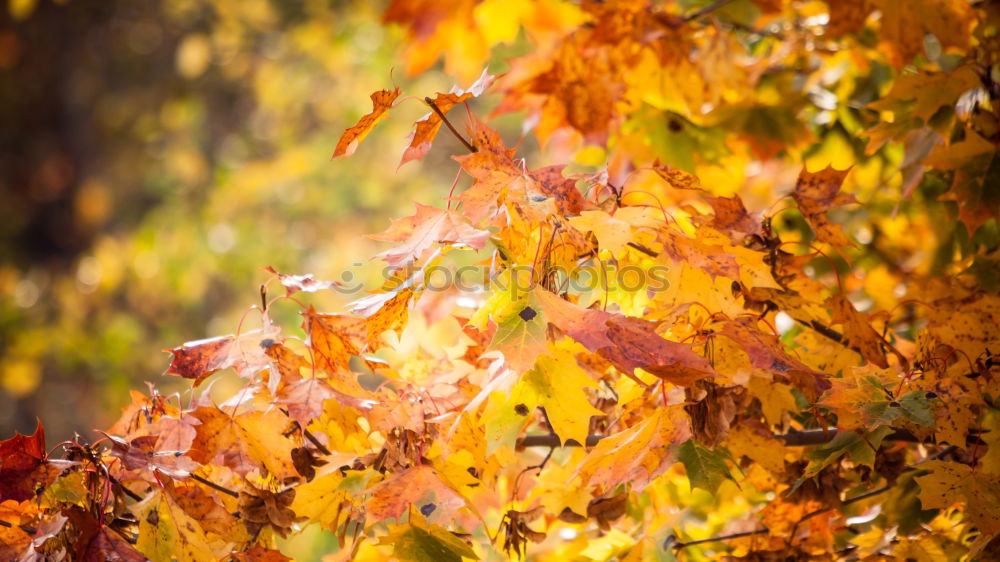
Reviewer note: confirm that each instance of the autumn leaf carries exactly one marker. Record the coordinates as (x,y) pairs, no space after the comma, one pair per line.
(420,232)
(817,192)
(381,102)
(393,496)
(22,460)
(637,345)
(638,454)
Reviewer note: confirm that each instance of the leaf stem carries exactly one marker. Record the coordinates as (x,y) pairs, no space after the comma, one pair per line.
(215,486)
(451,128)
(680,545)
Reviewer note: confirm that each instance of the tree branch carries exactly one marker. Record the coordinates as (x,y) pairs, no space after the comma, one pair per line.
(679,545)
(811,514)
(794,438)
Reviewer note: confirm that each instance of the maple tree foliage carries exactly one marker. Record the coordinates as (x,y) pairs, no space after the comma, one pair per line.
(770,388)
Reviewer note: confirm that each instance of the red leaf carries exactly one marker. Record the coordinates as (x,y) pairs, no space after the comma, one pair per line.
(21,457)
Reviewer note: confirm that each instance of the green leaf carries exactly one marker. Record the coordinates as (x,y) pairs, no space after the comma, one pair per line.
(706,468)
(860,448)
(419,541)
(914,406)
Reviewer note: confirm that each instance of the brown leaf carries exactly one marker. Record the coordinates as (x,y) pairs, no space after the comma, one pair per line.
(712,415)
(637,345)
(200,504)
(568,199)
(108,546)
(381,102)
(857,330)
(259,508)
(766,352)
(258,553)
(606,510)
(815,193)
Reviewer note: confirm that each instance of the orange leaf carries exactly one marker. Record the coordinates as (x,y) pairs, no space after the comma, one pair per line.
(381,102)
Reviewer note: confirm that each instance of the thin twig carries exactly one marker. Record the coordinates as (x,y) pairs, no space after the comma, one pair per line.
(25,528)
(680,545)
(312,439)
(215,486)
(643,249)
(451,128)
(706,10)
(794,438)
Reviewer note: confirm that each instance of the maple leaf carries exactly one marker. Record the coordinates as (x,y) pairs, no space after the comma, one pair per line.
(732,217)
(857,330)
(427,127)
(243,442)
(638,454)
(246,353)
(948,483)
(557,384)
(391,497)
(429,226)
(141,454)
(335,338)
(637,345)
(765,352)
(815,193)
(904,26)
(167,532)
(381,102)
(706,468)
(23,465)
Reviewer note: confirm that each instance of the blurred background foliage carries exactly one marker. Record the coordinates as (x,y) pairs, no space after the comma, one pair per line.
(157,154)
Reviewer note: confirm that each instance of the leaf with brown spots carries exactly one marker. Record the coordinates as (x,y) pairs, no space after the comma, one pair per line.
(392,497)
(817,192)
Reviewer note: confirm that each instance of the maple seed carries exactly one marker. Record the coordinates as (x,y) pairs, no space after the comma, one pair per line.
(527,314)
(521,410)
